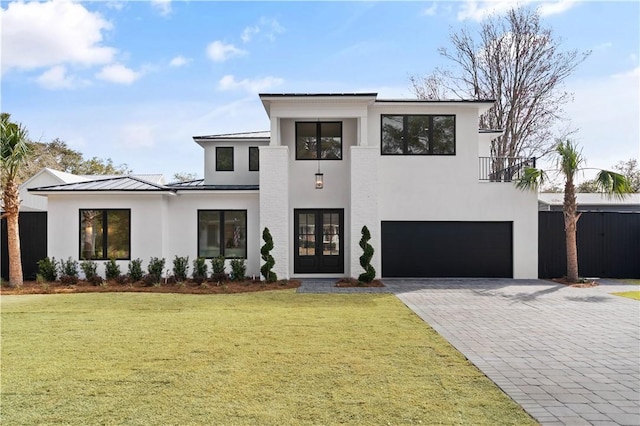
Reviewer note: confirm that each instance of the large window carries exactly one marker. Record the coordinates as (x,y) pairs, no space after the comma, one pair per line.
(105,234)
(224,158)
(254,159)
(222,232)
(318,140)
(418,134)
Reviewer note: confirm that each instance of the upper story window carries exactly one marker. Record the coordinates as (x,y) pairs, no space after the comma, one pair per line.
(254,159)
(224,158)
(105,234)
(418,134)
(319,140)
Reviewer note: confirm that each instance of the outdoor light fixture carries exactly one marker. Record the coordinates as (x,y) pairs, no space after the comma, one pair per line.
(319,178)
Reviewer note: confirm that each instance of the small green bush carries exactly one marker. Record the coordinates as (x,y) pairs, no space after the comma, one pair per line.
(69,271)
(217,265)
(135,270)
(200,270)
(180,268)
(47,269)
(269,262)
(111,269)
(156,267)
(238,269)
(89,268)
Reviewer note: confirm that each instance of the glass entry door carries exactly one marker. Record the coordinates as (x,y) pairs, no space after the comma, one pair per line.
(319,245)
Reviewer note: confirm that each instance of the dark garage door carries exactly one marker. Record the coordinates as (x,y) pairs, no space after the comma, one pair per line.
(447,249)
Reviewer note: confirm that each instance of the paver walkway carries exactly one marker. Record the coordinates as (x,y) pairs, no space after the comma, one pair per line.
(566,355)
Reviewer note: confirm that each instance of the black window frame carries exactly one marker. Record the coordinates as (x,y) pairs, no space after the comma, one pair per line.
(105,234)
(405,139)
(257,166)
(318,137)
(219,149)
(222,236)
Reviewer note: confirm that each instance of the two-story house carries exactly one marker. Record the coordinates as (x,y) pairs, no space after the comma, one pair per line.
(417,173)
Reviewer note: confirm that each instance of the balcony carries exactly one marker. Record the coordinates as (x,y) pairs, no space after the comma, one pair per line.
(504,169)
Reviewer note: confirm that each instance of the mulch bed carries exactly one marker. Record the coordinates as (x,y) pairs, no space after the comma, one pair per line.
(586,284)
(352,282)
(189,287)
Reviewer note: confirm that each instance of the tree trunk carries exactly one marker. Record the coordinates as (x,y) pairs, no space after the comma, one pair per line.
(571,217)
(12,204)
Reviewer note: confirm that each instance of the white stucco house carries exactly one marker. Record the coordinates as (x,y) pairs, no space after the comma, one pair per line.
(417,173)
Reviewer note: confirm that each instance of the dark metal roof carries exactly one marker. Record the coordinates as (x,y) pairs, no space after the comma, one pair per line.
(265,134)
(306,95)
(198,185)
(439,101)
(120,183)
(490,130)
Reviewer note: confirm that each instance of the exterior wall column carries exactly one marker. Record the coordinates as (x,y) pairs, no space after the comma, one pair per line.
(364,205)
(274,203)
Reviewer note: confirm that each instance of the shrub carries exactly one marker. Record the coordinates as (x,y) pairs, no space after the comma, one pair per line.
(69,271)
(156,267)
(269,262)
(180,268)
(150,280)
(365,260)
(47,269)
(217,265)
(96,280)
(89,268)
(238,269)
(122,279)
(200,270)
(135,270)
(111,269)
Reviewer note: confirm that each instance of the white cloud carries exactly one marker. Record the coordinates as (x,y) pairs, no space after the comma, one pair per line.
(229,82)
(118,73)
(605,112)
(271,27)
(37,35)
(179,61)
(479,10)
(219,51)
(162,6)
(248,33)
(431,11)
(137,136)
(56,78)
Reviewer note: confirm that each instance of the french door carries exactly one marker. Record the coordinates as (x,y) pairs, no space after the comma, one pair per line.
(319,242)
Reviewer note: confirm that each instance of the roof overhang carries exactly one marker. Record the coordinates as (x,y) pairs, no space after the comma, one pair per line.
(305,98)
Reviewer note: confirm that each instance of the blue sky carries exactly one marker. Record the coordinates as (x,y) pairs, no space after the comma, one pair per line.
(134,81)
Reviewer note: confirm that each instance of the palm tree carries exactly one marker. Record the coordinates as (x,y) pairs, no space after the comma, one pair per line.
(14,152)
(569,162)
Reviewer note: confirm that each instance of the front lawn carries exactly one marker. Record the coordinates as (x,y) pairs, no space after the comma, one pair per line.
(265,358)
(629,294)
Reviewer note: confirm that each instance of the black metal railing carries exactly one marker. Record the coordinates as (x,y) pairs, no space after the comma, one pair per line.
(504,169)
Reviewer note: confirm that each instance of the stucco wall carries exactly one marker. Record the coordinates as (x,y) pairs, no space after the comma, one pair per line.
(240,174)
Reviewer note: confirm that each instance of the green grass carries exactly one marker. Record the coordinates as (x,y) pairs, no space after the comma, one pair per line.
(270,358)
(630,294)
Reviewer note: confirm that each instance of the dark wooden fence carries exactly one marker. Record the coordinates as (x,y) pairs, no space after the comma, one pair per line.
(608,245)
(33,243)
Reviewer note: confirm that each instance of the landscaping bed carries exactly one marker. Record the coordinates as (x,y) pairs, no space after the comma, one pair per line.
(187,287)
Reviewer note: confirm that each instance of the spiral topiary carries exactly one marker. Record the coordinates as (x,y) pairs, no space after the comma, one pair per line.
(365,260)
(269,262)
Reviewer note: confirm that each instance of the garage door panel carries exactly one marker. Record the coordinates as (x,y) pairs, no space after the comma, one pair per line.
(447,249)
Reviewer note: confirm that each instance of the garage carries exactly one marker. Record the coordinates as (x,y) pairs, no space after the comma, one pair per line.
(447,249)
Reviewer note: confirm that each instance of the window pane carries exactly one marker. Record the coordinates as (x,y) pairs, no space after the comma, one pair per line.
(443,140)
(209,234)
(417,134)
(91,234)
(392,129)
(331,234)
(224,158)
(306,141)
(118,234)
(331,141)
(254,159)
(235,234)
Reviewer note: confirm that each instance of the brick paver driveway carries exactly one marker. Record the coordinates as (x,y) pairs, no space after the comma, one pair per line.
(566,355)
